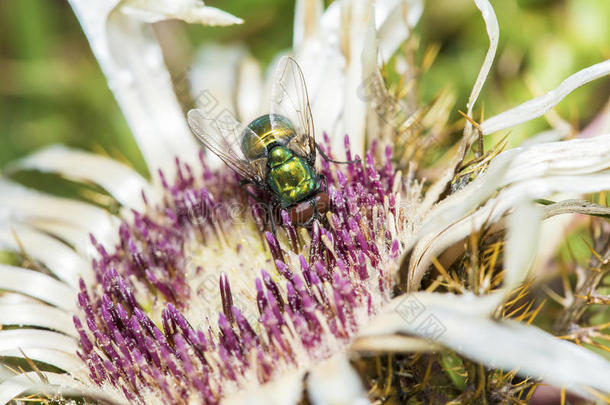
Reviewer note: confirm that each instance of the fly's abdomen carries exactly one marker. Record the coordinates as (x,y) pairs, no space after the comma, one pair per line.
(290,177)
(254,144)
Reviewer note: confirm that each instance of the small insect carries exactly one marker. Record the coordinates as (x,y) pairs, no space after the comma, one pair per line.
(276,152)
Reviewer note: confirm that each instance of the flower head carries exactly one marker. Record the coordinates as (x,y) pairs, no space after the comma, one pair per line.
(196,301)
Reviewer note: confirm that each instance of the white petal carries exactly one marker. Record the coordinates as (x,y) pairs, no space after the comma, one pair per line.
(323,69)
(461,203)
(131,59)
(331,61)
(521,243)
(393,343)
(36,338)
(396,19)
(553,232)
(57,383)
(372,90)
(285,390)
(190,11)
(361,46)
(250,90)
(77,237)
(14,298)
(214,78)
(54,214)
(39,315)
(356,21)
(37,285)
(60,259)
(18,384)
(540,105)
(68,362)
(307,17)
(569,157)
(493,210)
(533,172)
(539,188)
(540,160)
(325,379)
(550,135)
(122,182)
(493,32)
(451,320)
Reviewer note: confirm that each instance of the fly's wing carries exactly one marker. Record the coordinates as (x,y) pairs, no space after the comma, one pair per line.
(289,99)
(222,135)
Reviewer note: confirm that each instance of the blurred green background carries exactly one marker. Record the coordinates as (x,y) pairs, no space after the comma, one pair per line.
(52,91)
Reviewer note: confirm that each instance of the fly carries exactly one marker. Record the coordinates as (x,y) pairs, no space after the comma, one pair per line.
(276,152)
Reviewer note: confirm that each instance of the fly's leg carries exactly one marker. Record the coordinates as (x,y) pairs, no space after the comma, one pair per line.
(325,157)
(272,219)
(317,214)
(323,178)
(243,184)
(269,207)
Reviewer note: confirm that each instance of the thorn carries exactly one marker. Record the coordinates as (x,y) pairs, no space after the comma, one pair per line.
(593,252)
(473,122)
(34,367)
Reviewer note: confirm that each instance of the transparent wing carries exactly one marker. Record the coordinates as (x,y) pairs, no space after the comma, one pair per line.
(289,99)
(222,135)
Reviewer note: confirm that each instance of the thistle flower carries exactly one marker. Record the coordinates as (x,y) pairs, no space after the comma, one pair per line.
(183,297)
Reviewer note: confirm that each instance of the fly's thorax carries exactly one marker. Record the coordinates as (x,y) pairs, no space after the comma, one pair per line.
(263,132)
(279,155)
(290,177)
